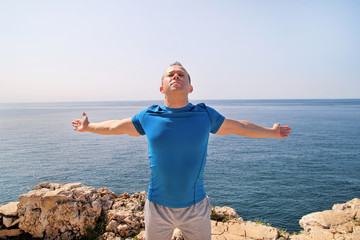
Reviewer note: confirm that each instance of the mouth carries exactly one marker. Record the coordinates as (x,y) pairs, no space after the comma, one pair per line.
(175,82)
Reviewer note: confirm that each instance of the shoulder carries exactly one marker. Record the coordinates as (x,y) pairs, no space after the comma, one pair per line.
(199,107)
(142,113)
(152,108)
(203,107)
(215,117)
(138,119)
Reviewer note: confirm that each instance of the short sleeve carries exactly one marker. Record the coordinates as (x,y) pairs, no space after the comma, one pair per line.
(137,119)
(216,119)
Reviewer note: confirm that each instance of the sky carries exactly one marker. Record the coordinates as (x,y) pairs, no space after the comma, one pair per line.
(114,50)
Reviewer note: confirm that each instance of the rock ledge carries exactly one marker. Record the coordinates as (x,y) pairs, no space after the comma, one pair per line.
(74,211)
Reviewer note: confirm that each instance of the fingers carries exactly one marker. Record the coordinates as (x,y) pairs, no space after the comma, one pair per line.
(285,134)
(285,131)
(77,124)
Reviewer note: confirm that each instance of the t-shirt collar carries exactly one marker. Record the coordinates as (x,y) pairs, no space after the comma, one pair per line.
(183,109)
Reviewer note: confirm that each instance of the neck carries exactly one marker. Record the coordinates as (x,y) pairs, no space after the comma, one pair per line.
(176,103)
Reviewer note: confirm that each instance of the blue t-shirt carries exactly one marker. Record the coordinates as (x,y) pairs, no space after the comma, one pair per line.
(178,139)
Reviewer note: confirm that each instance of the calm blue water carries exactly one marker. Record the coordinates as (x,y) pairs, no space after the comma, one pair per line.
(276,181)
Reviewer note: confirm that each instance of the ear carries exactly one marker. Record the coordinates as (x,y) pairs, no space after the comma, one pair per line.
(162,89)
(191,89)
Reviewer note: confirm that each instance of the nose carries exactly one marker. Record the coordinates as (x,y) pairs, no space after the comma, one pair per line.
(176,76)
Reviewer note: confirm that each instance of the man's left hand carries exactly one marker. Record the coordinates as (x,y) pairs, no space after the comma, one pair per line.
(281,132)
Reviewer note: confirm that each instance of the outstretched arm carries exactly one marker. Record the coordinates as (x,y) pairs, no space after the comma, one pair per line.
(249,129)
(111,127)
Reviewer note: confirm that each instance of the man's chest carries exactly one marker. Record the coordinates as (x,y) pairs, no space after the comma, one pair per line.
(173,131)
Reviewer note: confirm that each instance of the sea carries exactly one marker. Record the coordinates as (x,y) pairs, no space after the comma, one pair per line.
(269,180)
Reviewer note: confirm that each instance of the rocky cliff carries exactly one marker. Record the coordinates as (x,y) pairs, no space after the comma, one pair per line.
(75,211)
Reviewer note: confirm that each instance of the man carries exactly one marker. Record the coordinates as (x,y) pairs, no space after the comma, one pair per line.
(178,134)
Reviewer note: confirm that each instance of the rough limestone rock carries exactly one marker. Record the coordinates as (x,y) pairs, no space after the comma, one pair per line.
(340,214)
(177,235)
(340,223)
(4,234)
(351,206)
(125,218)
(326,219)
(315,235)
(9,222)
(74,211)
(59,211)
(107,198)
(238,229)
(9,209)
(224,214)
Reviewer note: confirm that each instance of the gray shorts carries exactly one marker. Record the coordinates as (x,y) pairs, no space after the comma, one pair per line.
(193,222)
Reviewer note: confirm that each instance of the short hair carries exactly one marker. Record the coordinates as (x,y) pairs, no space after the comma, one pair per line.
(177,63)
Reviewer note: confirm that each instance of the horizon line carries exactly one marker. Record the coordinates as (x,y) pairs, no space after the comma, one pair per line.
(149,100)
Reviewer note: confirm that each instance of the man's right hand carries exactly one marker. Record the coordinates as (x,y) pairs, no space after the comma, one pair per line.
(81,125)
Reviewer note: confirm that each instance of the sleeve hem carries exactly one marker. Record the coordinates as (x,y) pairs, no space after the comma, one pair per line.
(137,126)
(219,122)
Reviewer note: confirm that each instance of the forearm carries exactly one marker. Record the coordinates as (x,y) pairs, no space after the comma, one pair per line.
(245,128)
(250,129)
(113,127)
(105,128)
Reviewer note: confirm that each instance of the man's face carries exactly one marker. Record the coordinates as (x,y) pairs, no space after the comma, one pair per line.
(176,79)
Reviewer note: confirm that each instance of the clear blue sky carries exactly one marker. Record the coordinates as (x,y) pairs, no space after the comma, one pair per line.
(118,50)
